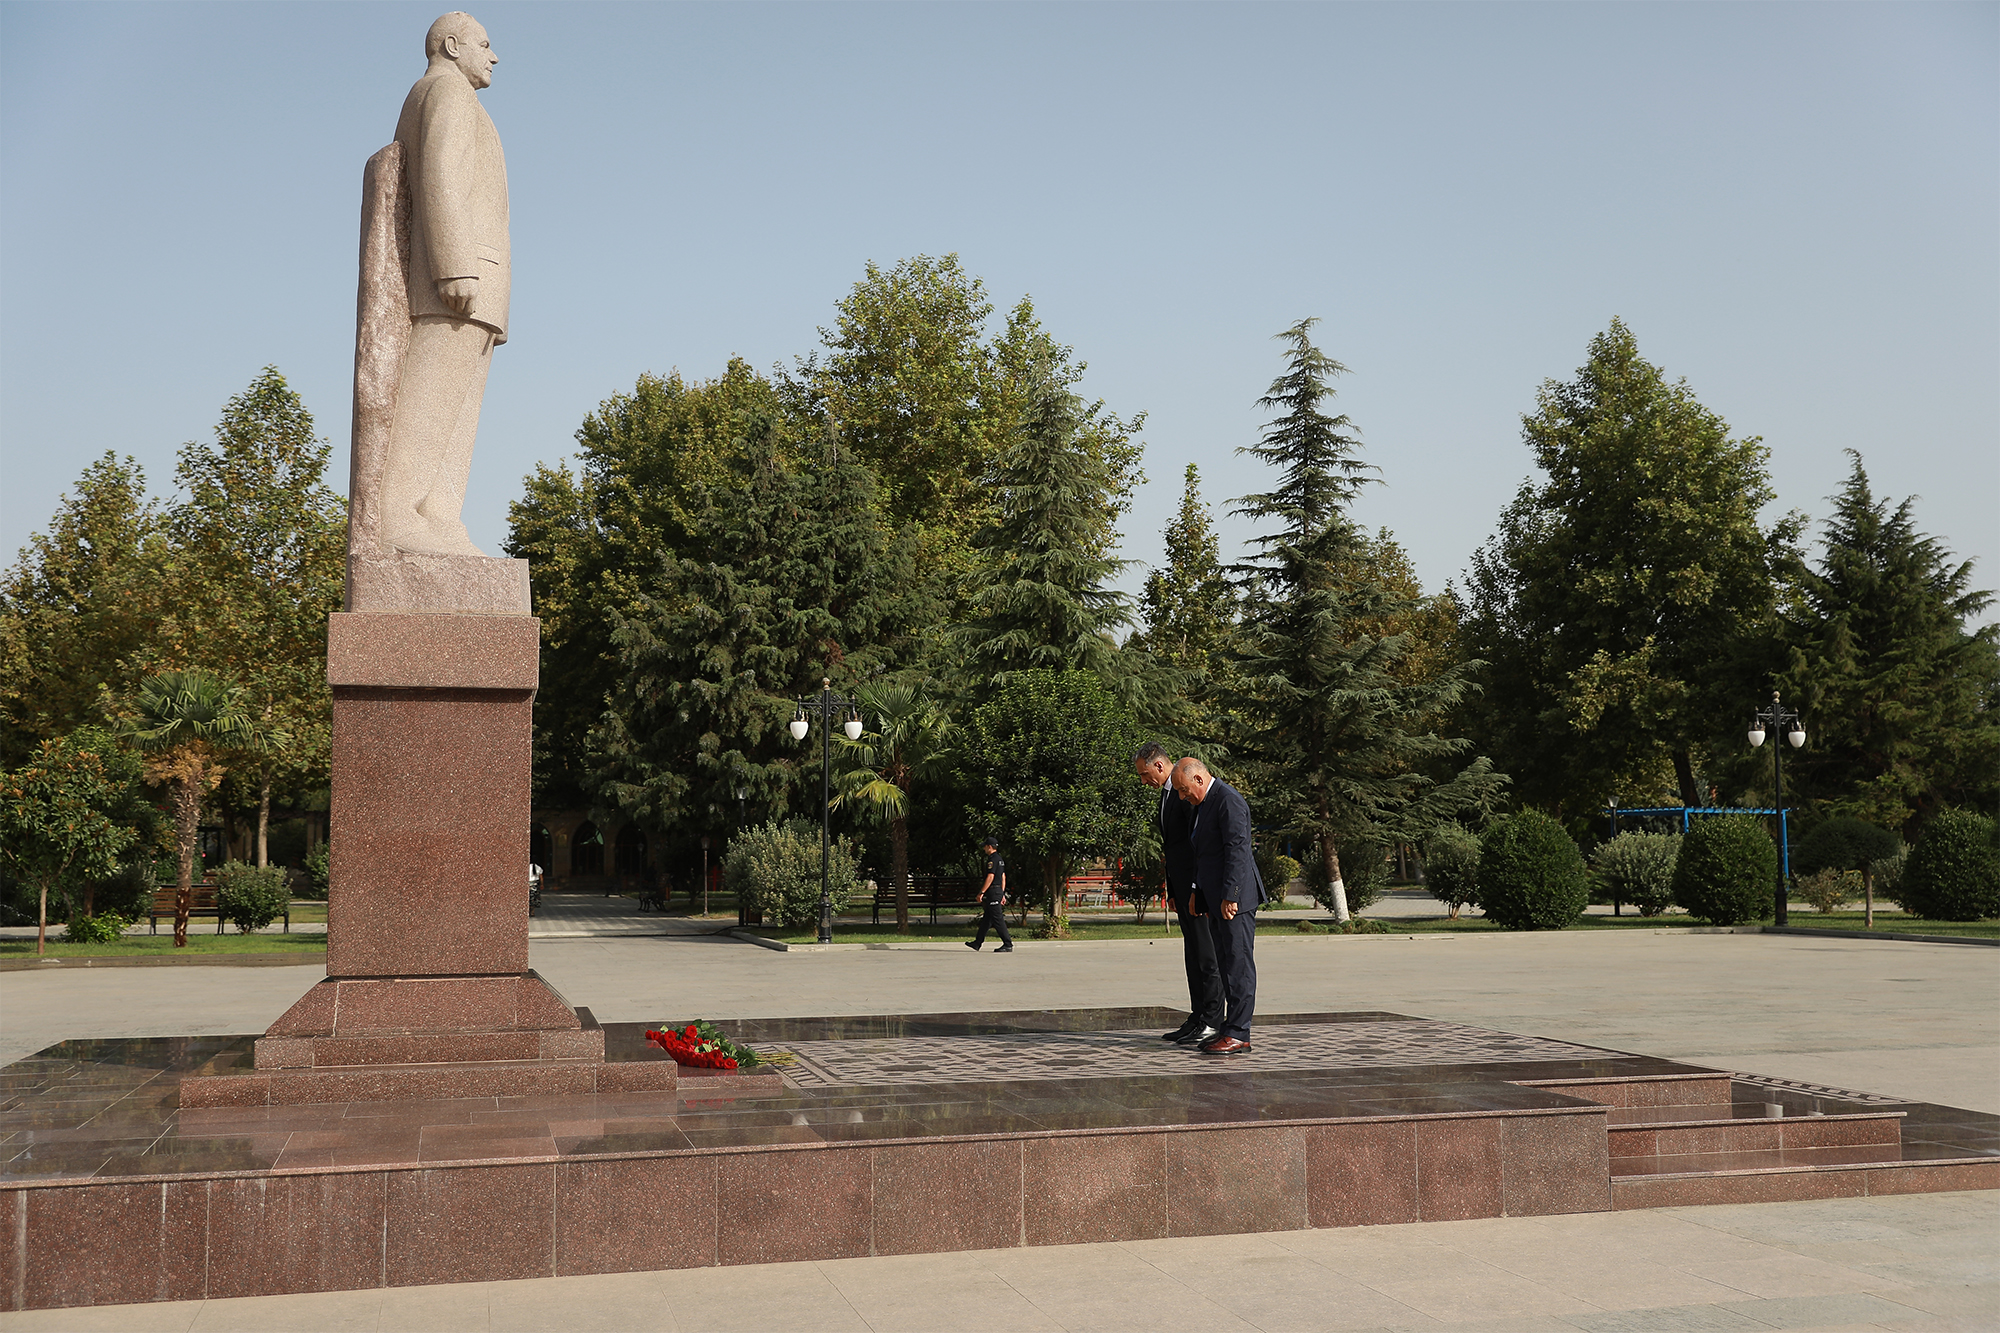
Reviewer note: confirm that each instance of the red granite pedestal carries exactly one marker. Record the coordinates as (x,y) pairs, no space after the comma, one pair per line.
(428,992)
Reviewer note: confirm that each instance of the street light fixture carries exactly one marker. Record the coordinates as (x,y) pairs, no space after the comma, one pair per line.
(1778,718)
(827,703)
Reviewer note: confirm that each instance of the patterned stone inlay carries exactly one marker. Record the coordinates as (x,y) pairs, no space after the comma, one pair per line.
(1040,1055)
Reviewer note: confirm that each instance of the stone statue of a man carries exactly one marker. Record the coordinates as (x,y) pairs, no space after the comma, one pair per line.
(458,272)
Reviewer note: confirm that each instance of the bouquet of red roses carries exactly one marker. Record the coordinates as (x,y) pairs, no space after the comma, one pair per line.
(701,1046)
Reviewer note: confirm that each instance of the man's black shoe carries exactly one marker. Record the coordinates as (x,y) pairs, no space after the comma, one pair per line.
(1181,1031)
(1199,1035)
(970,945)
(1005,948)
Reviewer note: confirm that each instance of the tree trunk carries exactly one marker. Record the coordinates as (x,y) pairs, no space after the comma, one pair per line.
(899,868)
(1684,774)
(1055,883)
(1330,863)
(1868,897)
(263,819)
(187,828)
(42,929)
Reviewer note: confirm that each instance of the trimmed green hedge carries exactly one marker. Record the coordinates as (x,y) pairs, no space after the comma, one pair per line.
(1953,873)
(1727,873)
(1531,875)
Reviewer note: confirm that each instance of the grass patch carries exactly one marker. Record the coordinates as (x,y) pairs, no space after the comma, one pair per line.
(162,945)
(1892,922)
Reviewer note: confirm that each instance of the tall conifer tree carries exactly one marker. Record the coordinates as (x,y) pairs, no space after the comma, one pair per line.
(1046,604)
(1900,692)
(1341,742)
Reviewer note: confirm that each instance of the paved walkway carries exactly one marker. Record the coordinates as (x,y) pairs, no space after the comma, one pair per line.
(1917,1262)
(1902,1019)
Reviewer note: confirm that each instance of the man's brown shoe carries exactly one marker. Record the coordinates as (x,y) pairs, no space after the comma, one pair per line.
(1225,1046)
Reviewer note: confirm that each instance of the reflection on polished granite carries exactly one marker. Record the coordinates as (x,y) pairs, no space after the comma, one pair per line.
(110,1108)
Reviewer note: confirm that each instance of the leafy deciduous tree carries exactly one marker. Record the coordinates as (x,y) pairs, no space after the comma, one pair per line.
(56,818)
(1622,597)
(1054,776)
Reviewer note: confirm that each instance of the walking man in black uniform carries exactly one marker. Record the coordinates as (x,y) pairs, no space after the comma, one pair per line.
(1204,977)
(993,897)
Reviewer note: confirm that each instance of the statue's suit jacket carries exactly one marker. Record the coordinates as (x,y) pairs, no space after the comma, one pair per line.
(1225,868)
(458,198)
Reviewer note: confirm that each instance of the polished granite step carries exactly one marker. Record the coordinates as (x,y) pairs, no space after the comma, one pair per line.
(895,1134)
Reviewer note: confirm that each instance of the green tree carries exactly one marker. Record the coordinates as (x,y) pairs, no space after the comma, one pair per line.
(648,463)
(56,819)
(1622,599)
(1847,844)
(185,720)
(798,580)
(916,389)
(1054,777)
(1188,609)
(1342,737)
(82,608)
(261,542)
(1046,604)
(906,746)
(1902,693)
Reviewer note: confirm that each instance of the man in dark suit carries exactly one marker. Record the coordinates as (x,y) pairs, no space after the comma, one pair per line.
(1228,888)
(1174,818)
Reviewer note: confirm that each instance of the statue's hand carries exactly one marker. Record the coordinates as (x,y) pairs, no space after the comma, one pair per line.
(458,294)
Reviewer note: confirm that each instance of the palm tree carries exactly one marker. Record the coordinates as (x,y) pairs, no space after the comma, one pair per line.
(184,718)
(907,745)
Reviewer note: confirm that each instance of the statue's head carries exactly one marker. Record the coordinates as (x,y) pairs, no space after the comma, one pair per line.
(458,38)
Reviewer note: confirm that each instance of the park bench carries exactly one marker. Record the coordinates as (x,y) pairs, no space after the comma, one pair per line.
(929,893)
(1097,888)
(202,901)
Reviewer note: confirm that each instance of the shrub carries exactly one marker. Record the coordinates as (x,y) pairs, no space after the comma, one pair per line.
(100,929)
(1842,844)
(1888,874)
(1828,890)
(1451,867)
(319,872)
(775,870)
(1364,872)
(1727,871)
(128,894)
(1531,875)
(250,896)
(1638,868)
(1953,873)
(1280,873)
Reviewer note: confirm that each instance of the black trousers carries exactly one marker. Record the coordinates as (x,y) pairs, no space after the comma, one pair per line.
(1204,974)
(995,919)
(1235,944)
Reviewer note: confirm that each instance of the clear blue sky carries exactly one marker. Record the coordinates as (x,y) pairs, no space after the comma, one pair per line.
(1795,206)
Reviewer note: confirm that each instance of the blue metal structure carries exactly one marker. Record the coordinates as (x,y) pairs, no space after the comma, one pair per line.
(1687,813)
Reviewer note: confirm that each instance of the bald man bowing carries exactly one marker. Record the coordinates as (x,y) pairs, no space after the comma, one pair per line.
(1229,890)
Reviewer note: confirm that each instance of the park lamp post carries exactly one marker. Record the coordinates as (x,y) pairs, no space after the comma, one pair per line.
(1779,718)
(827,703)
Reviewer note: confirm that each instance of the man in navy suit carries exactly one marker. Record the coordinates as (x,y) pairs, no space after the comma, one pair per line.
(1204,976)
(1228,889)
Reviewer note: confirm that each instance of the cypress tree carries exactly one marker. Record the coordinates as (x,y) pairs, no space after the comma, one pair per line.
(1899,691)
(1344,746)
(1045,605)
